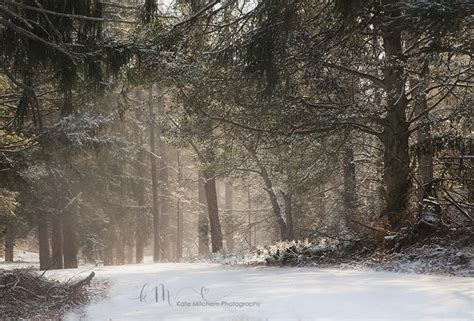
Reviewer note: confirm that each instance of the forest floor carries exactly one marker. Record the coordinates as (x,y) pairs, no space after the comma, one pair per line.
(204,291)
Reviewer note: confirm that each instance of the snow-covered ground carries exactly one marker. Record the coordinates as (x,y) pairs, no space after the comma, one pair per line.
(203,291)
(22,260)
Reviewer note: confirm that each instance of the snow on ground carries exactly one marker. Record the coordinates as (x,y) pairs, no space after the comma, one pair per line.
(22,260)
(22,256)
(441,257)
(203,291)
(26,256)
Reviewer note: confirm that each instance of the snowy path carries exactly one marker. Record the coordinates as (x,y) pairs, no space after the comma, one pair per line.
(275,294)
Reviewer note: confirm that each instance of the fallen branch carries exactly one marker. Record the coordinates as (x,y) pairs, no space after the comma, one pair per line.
(28,295)
(79,284)
(451,200)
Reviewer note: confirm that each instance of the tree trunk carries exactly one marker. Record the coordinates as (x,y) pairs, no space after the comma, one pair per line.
(141,225)
(109,241)
(271,194)
(213,211)
(129,253)
(9,246)
(424,140)
(228,221)
(288,197)
(121,243)
(166,233)
(108,255)
(470,176)
(396,170)
(44,253)
(395,133)
(349,199)
(119,250)
(154,183)
(297,210)
(203,221)
(141,231)
(179,218)
(249,217)
(56,242)
(70,239)
(276,209)
(273,200)
(150,8)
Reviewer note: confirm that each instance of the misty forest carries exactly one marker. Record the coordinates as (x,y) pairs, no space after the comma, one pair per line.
(225,145)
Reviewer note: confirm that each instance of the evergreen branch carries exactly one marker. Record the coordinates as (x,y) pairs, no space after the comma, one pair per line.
(68,15)
(377,81)
(197,14)
(30,35)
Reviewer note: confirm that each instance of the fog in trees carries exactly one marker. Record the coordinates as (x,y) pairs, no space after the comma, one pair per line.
(163,131)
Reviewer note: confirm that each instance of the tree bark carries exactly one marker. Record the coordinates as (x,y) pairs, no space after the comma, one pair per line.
(179,218)
(154,183)
(129,253)
(56,242)
(288,197)
(228,221)
(141,224)
(396,170)
(141,231)
(396,129)
(44,253)
(271,194)
(150,8)
(70,239)
(273,200)
(166,233)
(249,217)
(213,211)
(119,250)
(108,254)
(349,199)
(470,176)
(276,207)
(424,139)
(297,210)
(9,246)
(203,221)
